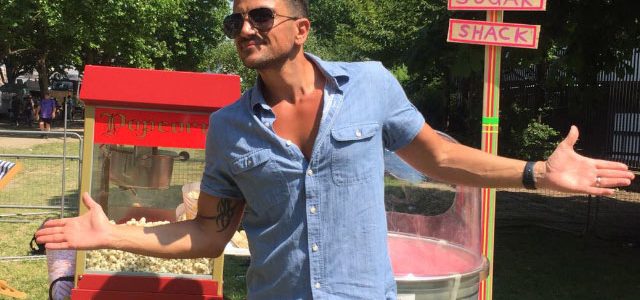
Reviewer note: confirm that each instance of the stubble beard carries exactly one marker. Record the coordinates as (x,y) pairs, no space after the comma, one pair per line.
(266,61)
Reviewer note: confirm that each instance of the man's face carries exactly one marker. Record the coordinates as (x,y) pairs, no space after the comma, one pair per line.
(260,50)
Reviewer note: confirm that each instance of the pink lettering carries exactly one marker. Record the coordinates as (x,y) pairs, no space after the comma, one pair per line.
(520,35)
(502,31)
(491,32)
(462,1)
(477,32)
(463,31)
(528,4)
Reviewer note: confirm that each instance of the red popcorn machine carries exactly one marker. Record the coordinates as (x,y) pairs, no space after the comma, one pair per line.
(143,157)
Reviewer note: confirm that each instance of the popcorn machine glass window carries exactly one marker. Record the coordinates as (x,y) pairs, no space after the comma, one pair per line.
(142,185)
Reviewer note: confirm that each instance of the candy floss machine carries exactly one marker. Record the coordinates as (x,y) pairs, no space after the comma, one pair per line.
(145,134)
(434,234)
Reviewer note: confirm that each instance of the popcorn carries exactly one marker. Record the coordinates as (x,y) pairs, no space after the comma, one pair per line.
(194,195)
(121,261)
(240,240)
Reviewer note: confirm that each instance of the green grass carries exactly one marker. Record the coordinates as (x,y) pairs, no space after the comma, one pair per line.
(29,277)
(15,238)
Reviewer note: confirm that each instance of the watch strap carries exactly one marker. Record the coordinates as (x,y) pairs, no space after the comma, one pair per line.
(528,179)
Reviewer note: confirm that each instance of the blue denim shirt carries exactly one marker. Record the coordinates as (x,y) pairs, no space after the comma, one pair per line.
(317,229)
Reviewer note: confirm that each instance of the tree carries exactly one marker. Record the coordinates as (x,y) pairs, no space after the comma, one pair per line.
(224,60)
(161,34)
(49,36)
(13,16)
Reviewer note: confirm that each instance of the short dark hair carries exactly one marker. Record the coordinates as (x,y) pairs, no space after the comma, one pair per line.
(299,7)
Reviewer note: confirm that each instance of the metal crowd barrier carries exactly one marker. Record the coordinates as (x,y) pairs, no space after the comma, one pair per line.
(34,186)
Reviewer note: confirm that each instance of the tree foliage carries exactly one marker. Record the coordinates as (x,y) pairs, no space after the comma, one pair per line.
(46,35)
(579,39)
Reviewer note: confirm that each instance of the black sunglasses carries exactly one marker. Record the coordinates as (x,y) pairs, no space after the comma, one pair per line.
(261,19)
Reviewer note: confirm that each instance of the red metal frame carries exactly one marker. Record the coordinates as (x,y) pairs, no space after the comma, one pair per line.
(123,287)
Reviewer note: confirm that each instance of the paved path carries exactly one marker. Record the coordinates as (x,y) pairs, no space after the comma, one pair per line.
(27,141)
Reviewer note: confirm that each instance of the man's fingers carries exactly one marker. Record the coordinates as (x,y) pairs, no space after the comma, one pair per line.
(55,223)
(49,231)
(616,174)
(605,164)
(596,191)
(52,238)
(612,182)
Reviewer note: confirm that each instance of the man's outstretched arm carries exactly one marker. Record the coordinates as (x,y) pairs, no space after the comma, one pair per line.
(564,171)
(204,236)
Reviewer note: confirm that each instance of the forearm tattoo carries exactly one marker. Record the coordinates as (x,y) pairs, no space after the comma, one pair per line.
(226,209)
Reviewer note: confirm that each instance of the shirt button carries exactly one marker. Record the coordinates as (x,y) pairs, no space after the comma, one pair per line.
(358,133)
(249,162)
(317,285)
(313,210)
(310,172)
(314,248)
(289,143)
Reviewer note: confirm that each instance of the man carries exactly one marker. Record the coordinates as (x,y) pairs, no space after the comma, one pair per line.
(46,112)
(16,110)
(69,106)
(29,110)
(302,156)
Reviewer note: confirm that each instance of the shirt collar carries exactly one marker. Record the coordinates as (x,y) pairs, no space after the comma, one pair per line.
(336,76)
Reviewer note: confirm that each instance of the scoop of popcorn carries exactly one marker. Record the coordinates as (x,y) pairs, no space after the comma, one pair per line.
(194,195)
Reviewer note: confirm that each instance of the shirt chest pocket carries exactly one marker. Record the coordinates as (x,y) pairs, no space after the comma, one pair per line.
(355,152)
(261,183)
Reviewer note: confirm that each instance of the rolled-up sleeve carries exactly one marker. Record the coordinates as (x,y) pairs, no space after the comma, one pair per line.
(216,179)
(402,120)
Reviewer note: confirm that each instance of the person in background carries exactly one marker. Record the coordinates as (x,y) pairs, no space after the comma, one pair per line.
(58,111)
(16,110)
(46,113)
(300,162)
(68,107)
(29,110)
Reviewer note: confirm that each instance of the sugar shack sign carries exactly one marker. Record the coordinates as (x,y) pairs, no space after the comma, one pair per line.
(528,5)
(494,34)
